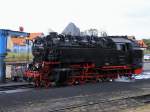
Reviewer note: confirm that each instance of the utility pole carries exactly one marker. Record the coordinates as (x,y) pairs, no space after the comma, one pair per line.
(28,52)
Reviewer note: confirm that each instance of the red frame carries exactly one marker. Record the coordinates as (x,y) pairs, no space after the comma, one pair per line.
(86,74)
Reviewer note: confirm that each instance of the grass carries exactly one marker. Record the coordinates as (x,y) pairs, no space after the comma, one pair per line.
(11,57)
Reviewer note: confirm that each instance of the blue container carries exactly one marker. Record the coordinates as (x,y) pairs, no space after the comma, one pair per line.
(3,42)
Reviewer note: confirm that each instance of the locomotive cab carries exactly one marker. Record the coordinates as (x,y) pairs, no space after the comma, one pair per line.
(132,52)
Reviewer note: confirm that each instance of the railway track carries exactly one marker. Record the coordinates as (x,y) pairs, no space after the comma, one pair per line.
(15,87)
(133,101)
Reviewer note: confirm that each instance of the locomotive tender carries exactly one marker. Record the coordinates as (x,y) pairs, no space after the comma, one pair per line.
(65,59)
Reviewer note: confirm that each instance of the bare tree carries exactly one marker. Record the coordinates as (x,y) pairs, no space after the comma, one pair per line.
(94,32)
(91,32)
(103,33)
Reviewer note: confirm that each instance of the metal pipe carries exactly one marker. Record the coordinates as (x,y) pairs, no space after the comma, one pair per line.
(2,68)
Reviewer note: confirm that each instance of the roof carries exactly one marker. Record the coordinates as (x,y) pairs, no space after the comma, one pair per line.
(22,40)
(34,35)
(142,44)
(131,37)
(121,39)
(18,41)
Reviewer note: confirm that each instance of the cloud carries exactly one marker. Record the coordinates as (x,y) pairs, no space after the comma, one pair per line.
(118,17)
(139,11)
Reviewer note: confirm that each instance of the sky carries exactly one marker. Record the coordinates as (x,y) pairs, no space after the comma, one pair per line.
(116,17)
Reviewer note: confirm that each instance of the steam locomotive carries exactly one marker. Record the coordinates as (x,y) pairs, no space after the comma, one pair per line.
(65,59)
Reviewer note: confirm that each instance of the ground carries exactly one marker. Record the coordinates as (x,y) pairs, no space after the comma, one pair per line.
(145,108)
(84,98)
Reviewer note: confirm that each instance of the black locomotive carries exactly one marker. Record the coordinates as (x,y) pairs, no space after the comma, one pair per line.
(65,59)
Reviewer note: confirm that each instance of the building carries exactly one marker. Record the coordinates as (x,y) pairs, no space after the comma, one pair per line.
(131,37)
(21,45)
(142,44)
